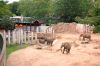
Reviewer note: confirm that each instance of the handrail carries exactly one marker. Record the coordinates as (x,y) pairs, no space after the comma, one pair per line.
(3,52)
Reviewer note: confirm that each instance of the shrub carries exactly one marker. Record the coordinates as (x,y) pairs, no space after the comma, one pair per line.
(96,29)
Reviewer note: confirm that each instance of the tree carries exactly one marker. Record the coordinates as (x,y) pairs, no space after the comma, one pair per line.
(5,22)
(93,17)
(4,9)
(34,8)
(14,8)
(86,20)
(67,10)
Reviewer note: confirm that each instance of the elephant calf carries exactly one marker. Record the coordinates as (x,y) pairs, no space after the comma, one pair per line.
(84,36)
(49,41)
(66,47)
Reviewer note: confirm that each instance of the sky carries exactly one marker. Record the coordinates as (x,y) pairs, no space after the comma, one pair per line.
(10,1)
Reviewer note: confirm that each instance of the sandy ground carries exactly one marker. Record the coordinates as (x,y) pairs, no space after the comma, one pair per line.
(80,55)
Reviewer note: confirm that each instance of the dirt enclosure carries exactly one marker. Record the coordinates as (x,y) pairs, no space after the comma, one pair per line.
(80,54)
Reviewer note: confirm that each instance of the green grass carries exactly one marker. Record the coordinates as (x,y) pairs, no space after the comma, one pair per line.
(13,47)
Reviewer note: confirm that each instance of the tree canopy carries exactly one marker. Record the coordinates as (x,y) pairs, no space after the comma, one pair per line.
(14,8)
(69,9)
(34,8)
(5,16)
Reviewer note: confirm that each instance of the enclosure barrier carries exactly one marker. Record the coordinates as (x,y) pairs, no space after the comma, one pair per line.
(20,37)
(3,50)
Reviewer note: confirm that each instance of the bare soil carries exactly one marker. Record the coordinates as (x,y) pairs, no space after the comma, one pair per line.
(80,55)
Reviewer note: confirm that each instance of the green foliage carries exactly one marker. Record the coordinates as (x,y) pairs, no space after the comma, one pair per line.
(6,23)
(89,20)
(97,29)
(58,10)
(14,8)
(34,8)
(97,3)
(93,17)
(5,14)
(97,11)
(67,10)
(4,10)
(86,20)
(96,20)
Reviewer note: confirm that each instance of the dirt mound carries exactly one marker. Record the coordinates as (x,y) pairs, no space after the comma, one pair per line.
(72,28)
(39,35)
(65,27)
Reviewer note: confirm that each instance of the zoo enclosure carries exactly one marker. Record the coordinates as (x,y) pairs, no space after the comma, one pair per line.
(22,36)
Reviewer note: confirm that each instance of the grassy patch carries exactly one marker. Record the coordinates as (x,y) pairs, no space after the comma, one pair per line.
(13,47)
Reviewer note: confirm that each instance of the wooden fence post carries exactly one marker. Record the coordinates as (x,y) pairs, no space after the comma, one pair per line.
(24,37)
(13,36)
(31,37)
(28,37)
(21,36)
(9,37)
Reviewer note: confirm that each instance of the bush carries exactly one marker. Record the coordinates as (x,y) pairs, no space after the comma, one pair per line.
(5,22)
(96,29)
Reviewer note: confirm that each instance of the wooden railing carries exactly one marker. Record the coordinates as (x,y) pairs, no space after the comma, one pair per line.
(3,52)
